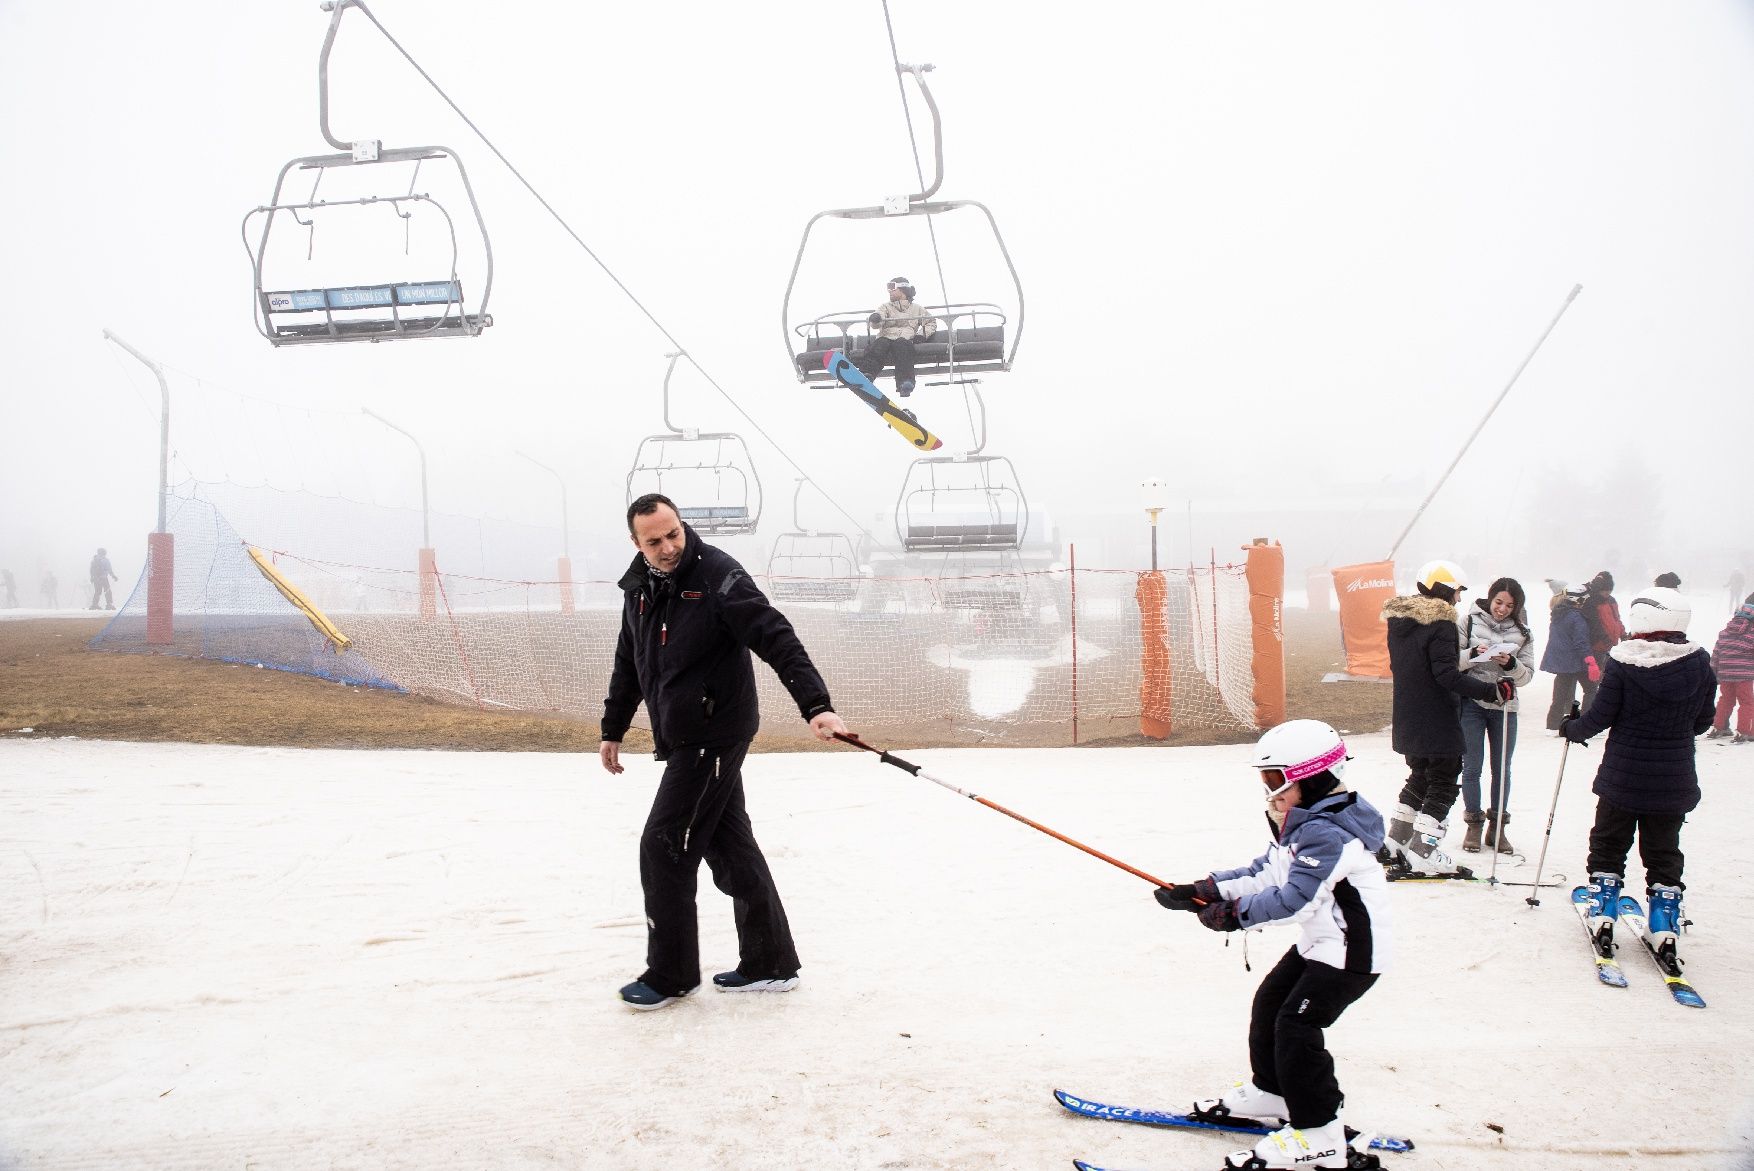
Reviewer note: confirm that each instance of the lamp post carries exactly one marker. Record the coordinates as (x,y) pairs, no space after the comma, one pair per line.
(161,545)
(428,561)
(566,598)
(1156,710)
(1154,495)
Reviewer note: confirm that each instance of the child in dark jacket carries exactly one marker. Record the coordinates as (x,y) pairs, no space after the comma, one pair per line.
(1656,696)
(1320,873)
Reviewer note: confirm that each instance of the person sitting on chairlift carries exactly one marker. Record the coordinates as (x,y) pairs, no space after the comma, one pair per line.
(895,325)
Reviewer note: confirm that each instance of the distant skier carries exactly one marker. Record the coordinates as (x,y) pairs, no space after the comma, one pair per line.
(1319,872)
(1602,612)
(8,590)
(1568,658)
(51,590)
(1656,695)
(1427,714)
(102,574)
(895,325)
(1733,659)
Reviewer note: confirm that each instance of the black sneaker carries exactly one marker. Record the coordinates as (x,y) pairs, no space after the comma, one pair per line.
(735,981)
(642,996)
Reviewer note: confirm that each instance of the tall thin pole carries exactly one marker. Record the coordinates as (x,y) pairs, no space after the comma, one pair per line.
(1478,427)
(164,425)
(565,524)
(425,515)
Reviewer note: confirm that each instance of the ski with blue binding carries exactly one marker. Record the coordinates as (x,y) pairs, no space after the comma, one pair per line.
(1171,1120)
(1607,967)
(1632,913)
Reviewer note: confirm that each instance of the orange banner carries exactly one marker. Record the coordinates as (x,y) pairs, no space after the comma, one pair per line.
(1265,573)
(1362,590)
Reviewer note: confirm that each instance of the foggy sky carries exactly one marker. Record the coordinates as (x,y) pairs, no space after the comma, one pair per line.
(1281,256)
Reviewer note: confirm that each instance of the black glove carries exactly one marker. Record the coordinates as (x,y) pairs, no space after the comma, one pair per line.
(1221,916)
(1565,731)
(1188,896)
(1506,691)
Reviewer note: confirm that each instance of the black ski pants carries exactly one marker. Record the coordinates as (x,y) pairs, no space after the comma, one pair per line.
(889,351)
(1659,843)
(1564,689)
(698,814)
(1287,1055)
(1432,784)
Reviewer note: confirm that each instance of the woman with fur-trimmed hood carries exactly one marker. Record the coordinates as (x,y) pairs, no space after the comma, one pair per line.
(1429,688)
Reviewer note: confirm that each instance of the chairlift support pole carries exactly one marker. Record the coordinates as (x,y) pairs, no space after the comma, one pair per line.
(161,544)
(566,598)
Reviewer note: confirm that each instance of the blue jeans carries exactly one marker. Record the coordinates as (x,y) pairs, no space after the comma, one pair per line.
(1480,725)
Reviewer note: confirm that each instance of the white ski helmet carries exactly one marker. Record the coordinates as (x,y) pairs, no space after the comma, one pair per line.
(1301,749)
(1657,609)
(1447,575)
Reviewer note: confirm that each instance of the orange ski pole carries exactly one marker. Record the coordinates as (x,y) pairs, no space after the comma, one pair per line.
(916,770)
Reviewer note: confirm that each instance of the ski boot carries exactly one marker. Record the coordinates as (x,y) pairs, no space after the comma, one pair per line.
(1471,840)
(1289,1147)
(1604,911)
(1665,923)
(1422,859)
(1246,1102)
(1400,830)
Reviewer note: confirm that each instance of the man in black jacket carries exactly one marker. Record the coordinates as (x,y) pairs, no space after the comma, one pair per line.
(1425,660)
(690,618)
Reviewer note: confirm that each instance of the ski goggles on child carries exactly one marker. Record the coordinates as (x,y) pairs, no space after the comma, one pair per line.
(1275,781)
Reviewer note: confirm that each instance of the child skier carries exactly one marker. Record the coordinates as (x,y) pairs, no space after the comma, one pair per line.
(1320,872)
(1656,695)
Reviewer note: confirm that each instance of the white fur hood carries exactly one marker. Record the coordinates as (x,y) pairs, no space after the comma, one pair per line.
(1637,652)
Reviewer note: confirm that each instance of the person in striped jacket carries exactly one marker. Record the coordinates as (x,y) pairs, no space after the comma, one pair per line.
(1321,873)
(1733,659)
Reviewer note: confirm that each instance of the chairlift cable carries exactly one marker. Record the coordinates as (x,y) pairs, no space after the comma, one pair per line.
(607,271)
(920,172)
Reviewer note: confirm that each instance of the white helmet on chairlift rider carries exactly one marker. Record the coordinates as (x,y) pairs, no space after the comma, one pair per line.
(1301,749)
(1442,579)
(1658,609)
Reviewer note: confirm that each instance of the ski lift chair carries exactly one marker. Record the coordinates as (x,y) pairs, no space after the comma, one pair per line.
(970,337)
(384,306)
(711,475)
(810,566)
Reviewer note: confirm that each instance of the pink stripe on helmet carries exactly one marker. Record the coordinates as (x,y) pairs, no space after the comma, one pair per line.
(1310,768)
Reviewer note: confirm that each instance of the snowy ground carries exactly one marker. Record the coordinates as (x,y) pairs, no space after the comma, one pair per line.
(264,958)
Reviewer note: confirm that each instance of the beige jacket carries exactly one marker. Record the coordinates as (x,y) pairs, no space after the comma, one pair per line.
(903,319)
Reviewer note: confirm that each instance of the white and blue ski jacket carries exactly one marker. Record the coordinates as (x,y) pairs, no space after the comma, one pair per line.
(1322,873)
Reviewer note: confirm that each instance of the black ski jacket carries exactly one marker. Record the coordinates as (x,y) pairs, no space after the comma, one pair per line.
(1654,699)
(684,650)
(1429,681)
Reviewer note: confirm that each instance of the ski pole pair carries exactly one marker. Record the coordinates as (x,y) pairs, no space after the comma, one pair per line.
(916,770)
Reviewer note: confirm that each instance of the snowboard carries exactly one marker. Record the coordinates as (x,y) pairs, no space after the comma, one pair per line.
(901,422)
